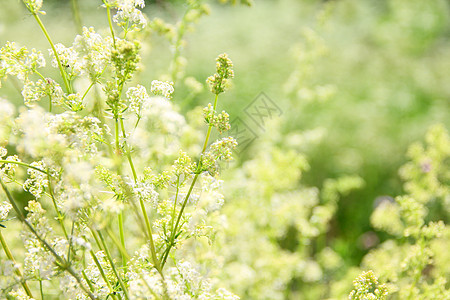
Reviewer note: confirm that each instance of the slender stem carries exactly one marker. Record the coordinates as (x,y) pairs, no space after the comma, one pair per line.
(49,94)
(102,272)
(175,203)
(76,16)
(172,219)
(88,281)
(124,252)
(177,45)
(40,75)
(120,247)
(70,241)
(113,267)
(150,238)
(19,163)
(63,72)
(183,206)
(88,89)
(58,214)
(116,132)
(41,290)
(11,258)
(127,151)
(209,127)
(144,211)
(175,229)
(122,240)
(108,12)
(59,260)
(118,152)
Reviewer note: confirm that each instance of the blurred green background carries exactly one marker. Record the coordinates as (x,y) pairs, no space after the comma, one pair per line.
(357,81)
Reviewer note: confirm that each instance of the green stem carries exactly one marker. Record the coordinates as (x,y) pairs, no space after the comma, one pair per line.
(58,214)
(116,133)
(108,12)
(88,281)
(208,134)
(62,71)
(144,211)
(59,260)
(88,89)
(183,206)
(177,45)
(172,219)
(11,258)
(127,151)
(76,16)
(122,240)
(150,238)
(118,152)
(41,290)
(124,252)
(70,241)
(113,267)
(49,94)
(100,268)
(119,245)
(19,163)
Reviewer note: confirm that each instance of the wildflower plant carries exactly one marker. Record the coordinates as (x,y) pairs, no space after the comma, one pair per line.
(113,195)
(416,268)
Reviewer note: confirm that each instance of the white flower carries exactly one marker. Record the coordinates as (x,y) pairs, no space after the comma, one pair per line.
(5,207)
(161,88)
(3,152)
(128,16)
(32,92)
(95,49)
(137,97)
(37,181)
(145,191)
(69,58)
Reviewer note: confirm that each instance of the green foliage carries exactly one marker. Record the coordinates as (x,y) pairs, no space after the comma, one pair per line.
(114,185)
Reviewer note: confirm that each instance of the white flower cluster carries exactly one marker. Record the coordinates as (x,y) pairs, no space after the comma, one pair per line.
(69,58)
(8,169)
(96,51)
(220,121)
(161,115)
(183,281)
(37,181)
(137,97)
(367,287)
(57,137)
(78,132)
(223,148)
(128,16)
(89,54)
(34,91)
(19,61)
(212,198)
(145,191)
(161,88)
(220,150)
(61,150)
(5,207)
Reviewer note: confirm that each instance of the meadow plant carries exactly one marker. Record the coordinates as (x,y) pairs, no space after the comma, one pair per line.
(114,192)
(109,191)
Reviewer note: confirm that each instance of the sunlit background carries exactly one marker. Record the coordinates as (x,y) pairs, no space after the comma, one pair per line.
(355,82)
